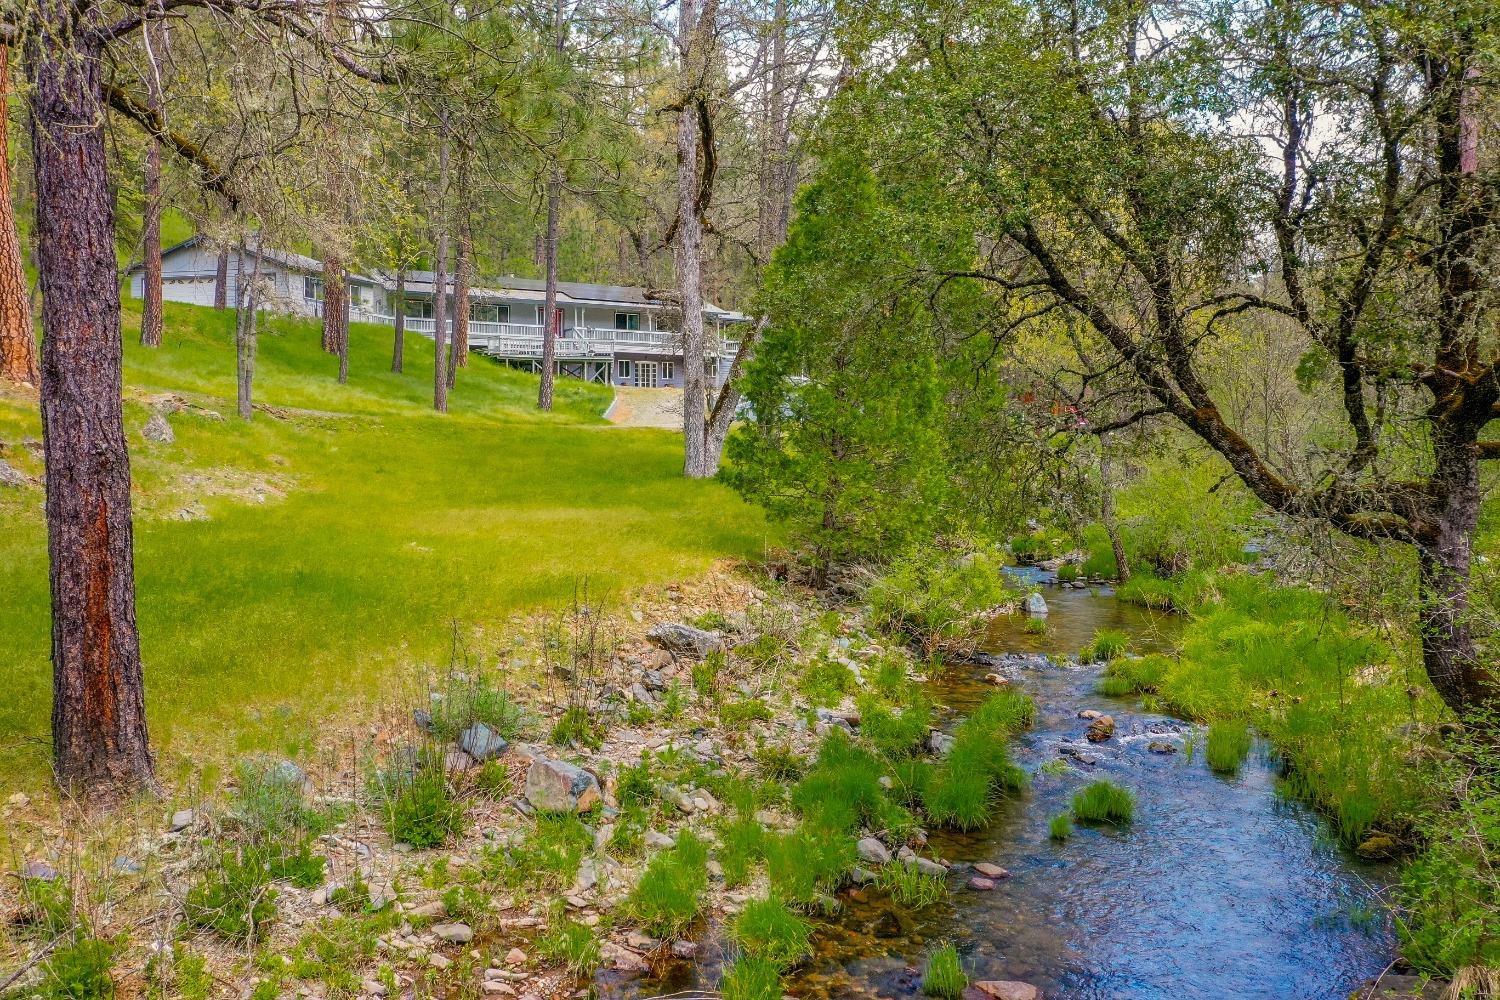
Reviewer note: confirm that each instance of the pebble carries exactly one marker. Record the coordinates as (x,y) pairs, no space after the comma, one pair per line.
(439,962)
(873,851)
(515,957)
(988,870)
(981,884)
(454,933)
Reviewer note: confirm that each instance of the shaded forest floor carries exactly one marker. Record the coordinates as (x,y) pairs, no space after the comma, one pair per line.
(291,567)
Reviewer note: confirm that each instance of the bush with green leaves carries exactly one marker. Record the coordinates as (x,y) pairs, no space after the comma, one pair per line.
(79,970)
(895,733)
(933,598)
(961,790)
(750,978)
(842,792)
(1103,802)
(825,681)
(739,714)
(549,855)
(576,727)
(945,975)
(742,844)
(270,802)
(768,929)
(236,897)
(669,895)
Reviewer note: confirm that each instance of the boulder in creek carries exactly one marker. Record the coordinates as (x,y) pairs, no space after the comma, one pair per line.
(1377,846)
(1035,605)
(873,851)
(557,786)
(997,989)
(1101,729)
(675,637)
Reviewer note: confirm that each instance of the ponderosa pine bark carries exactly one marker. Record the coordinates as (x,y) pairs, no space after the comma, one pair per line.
(458,354)
(221,279)
(17,339)
(244,334)
(398,348)
(334,290)
(549,296)
(101,749)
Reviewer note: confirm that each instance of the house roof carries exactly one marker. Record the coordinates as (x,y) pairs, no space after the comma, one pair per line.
(283,258)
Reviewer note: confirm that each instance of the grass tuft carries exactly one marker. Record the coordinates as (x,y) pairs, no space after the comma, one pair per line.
(768,929)
(945,974)
(1227,746)
(1103,802)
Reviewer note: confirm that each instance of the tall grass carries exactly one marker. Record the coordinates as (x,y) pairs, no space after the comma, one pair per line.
(1227,746)
(1103,802)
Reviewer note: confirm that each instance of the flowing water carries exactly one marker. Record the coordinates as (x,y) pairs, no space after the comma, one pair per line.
(1219,888)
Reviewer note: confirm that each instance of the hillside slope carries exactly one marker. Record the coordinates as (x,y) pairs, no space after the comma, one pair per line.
(291,564)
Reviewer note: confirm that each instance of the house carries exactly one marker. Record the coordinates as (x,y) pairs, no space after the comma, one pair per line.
(611,334)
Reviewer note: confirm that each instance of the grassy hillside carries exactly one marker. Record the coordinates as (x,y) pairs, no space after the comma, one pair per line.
(288,564)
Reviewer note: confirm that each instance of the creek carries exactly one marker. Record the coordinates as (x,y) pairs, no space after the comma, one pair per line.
(1219,887)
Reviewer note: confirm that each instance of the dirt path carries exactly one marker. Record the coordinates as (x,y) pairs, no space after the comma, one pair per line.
(647,408)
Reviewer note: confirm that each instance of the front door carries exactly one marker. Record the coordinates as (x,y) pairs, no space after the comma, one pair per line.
(647,374)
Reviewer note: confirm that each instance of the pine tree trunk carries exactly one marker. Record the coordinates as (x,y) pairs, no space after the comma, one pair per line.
(440,286)
(549,298)
(343,330)
(17,339)
(151,318)
(221,280)
(98,711)
(333,301)
(458,355)
(398,349)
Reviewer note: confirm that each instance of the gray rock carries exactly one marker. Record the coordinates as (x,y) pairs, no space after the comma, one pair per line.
(182,819)
(453,933)
(940,742)
(1007,990)
(639,693)
(432,910)
(1034,605)
(873,851)
(11,476)
(684,949)
(38,871)
(658,840)
(675,637)
(557,786)
(457,762)
(654,680)
(481,742)
(157,429)
(929,867)
(422,719)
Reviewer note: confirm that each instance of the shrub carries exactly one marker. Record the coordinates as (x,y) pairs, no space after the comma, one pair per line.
(780,763)
(1134,675)
(574,945)
(945,974)
(1060,827)
(931,598)
(270,802)
(961,791)
(751,979)
(1103,802)
(1034,626)
(552,851)
(417,802)
(1108,644)
(706,673)
(1450,893)
(1067,573)
(575,727)
(959,798)
(669,895)
(769,930)
(842,792)
(79,971)
(826,681)
(493,780)
(1227,746)
(910,886)
(235,899)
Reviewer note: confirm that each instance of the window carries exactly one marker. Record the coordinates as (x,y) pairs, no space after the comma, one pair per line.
(491,312)
(312,289)
(419,308)
(627,321)
(666,370)
(622,369)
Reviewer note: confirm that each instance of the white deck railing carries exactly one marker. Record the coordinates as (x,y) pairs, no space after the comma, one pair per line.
(525,339)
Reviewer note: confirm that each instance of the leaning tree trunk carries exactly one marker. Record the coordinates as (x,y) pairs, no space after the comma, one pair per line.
(98,709)
(721,417)
(1111,524)
(151,319)
(17,340)
(343,329)
(221,280)
(398,349)
(1466,681)
(549,297)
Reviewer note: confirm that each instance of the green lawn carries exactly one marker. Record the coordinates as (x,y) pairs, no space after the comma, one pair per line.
(380,523)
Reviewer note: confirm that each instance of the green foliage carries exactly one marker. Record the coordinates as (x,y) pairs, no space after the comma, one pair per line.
(466,700)
(1134,675)
(669,895)
(1103,802)
(945,974)
(1060,827)
(572,944)
(551,853)
(493,781)
(960,791)
(910,886)
(894,734)
(780,763)
(236,898)
(1067,573)
(1034,626)
(270,802)
(1108,644)
(576,727)
(826,681)
(768,929)
(79,970)
(931,598)
(805,866)
(842,792)
(1227,746)
(742,843)
(706,673)
(417,802)
(739,714)
(750,978)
